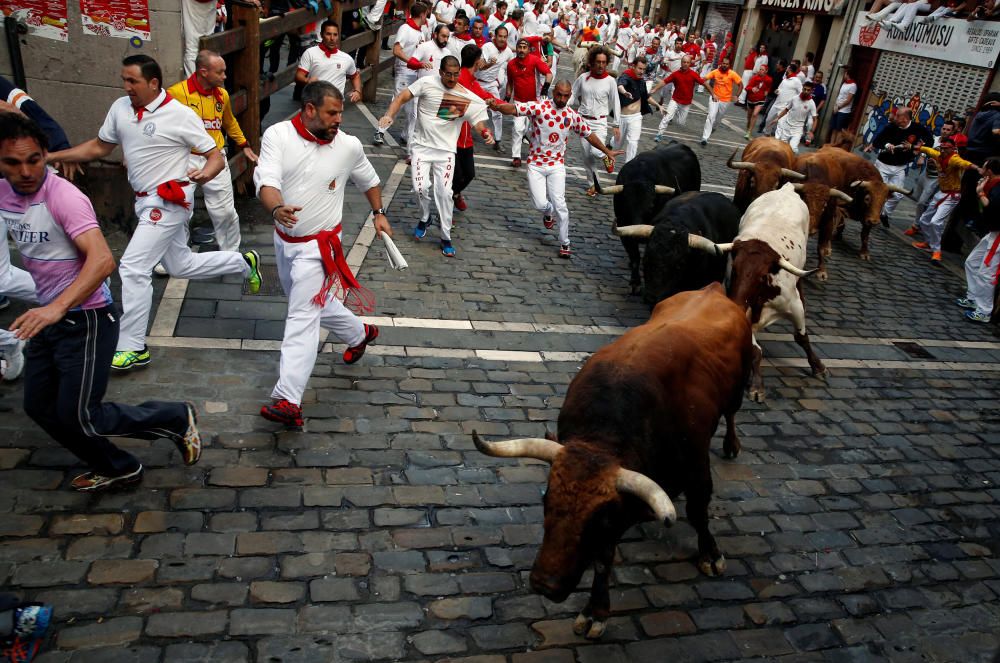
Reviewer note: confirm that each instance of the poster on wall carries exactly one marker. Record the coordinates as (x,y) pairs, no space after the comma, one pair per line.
(970,42)
(44,18)
(116,18)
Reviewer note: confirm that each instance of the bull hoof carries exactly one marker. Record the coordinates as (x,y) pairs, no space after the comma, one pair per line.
(821,372)
(712,567)
(822,275)
(864,255)
(588,627)
(730,454)
(757,394)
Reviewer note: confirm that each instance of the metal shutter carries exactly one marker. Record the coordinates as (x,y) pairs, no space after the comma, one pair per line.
(941,84)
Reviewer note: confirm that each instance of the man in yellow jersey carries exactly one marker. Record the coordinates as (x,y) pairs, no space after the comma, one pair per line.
(204,93)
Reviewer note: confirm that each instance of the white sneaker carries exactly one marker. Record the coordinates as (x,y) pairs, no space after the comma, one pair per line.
(160,270)
(14,355)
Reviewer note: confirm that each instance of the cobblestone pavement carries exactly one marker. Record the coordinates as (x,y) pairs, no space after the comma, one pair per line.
(861,522)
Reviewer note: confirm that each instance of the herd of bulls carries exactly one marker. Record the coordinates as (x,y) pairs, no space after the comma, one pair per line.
(637,421)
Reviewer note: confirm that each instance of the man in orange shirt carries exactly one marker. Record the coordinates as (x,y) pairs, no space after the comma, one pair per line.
(725,85)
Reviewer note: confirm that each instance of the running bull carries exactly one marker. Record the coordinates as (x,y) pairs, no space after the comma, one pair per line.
(634,432)
(823,199)
(643,187)
(673,262)
(765,163)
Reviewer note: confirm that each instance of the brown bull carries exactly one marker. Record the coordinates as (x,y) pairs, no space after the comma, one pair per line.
(820,193)
(863,183)
(634,431)
(765,163)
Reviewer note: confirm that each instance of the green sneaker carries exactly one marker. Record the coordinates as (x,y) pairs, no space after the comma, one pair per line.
(253,259)
(125,360)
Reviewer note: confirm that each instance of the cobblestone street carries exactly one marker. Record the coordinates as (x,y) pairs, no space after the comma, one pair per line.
(860,523)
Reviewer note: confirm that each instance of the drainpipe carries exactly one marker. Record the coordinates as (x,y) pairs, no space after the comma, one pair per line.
(13,29)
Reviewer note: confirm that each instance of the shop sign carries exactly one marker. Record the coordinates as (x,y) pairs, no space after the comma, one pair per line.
(825,7)
(976,43)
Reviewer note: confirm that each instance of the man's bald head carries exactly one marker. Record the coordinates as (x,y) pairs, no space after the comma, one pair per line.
(561,93)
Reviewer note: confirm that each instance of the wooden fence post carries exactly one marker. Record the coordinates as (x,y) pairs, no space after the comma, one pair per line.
(370,88)
(246,70)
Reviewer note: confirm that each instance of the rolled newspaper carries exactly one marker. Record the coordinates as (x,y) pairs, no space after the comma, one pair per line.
(396,259)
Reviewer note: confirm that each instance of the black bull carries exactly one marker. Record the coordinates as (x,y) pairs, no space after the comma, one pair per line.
(677,258)
(643,187)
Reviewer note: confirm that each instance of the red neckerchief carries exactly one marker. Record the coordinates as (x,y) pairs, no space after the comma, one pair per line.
(328,52)
(650,50)
(465,37)
(498,16)
(142,109)
(413,24)
(631,74)
(604,75)
(194,86)
(480,41)
(514,23)
(300,128)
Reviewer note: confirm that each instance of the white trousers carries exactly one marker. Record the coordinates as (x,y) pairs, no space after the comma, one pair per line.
(905,15)
(300,269)
(923,191)
(716,111)
(218,195)
(591,155)
(375,13)
(979,276)
(161,237)
(403,82)
(15,283)
(885,11)
(432,172)
(791,137)
(746,76)
(891,175)
(547,185)
(674,109)
(198,20)
(519,131)
(631,128)
(494,89)
(935,217)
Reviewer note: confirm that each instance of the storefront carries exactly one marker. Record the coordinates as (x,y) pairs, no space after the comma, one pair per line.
(718,17)
(940,70)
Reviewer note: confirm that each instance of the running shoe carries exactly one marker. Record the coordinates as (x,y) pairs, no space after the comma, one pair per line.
(977,316)
(126,360)
(283,412)
(921,245)
(704,142)
(31,622)
(160,270)
(496,145)
(421,230)
(253,278)
(936,257)
(92,482)
(516,162)
(189,444)
(378,139)
(565,252)
(965,302)
(657,138)
(911,231)
(460,203)
(356,352)
(447,250)
(14,356)
(548,221)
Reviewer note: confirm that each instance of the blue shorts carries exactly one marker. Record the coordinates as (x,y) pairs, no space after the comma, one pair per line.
(840,121)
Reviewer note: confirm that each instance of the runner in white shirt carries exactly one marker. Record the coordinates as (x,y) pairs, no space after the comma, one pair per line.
(430,53)
(157,136)
(547,156)
(671,63)
(326,62)
(442,106)
(596,94)
(444,11)
(797,119)
(304,167)
(460,38)
(498,17)
(789,88)
(408,37)
(493,76)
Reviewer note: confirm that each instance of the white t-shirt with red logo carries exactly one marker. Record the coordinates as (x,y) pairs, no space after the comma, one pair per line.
(550,128)
(332,67)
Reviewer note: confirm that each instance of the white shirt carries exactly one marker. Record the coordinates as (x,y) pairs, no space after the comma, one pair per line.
(158,146)
(455,46)
(312,176)
(672,60)
(496,73)
(799,116)
(333,68)
(550,128)
(846,90)
(597,97)
(761,61)
(446,10)
(408,40)
(789,89)
(441,112)
(430,52)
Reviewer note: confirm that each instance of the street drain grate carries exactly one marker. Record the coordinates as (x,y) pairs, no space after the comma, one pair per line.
(915,350)
(271,285)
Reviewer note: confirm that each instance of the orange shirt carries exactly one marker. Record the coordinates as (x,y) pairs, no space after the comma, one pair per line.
(724,83)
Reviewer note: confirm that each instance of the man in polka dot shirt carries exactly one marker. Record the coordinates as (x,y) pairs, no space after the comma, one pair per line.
(551,121)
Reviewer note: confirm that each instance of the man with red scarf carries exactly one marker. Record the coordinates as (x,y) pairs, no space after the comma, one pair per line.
(326,62)
(460,37)
(950,168)
(521,73)
(982,266)
(304,167)
(635,102)
(408,37)
(157,135)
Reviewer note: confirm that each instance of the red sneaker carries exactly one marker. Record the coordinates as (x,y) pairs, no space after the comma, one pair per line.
(921,245)
(911,231)
(516,163)
(460,203)
(351,355)
(936,257)
(283,412)
(548,222)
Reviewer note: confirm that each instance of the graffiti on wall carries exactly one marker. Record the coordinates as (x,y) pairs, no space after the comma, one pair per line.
(881,106)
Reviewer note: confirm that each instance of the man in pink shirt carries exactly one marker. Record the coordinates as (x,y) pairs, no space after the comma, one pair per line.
(73,332)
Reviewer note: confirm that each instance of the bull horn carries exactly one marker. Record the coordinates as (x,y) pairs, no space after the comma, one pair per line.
(527,447)
(792,269)
(837,193)
(792,174)
(641,231)
(898,189)
(702,244)
(737,165)
(649,492)
(864,184)
(607,191)
(663,189)
(798,186)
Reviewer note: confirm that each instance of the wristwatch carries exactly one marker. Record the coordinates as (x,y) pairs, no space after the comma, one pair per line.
(380,210)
